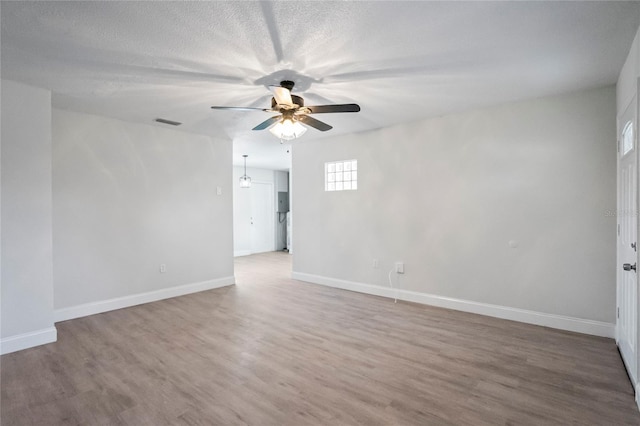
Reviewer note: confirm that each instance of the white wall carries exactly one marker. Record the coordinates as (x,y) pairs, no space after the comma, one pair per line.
(129,197)
(242,207)
(627,85)
(27,286)
(447,195)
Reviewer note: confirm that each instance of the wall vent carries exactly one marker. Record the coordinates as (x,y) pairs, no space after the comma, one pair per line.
(164,121)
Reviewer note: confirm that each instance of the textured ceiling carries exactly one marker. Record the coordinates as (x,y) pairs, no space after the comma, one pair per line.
(400,61)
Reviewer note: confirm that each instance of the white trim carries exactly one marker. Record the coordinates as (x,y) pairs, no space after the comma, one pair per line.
(28,340)
(578,325)
(238,253)
(138,299)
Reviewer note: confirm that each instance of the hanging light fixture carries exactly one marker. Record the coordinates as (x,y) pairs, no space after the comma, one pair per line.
(245,181)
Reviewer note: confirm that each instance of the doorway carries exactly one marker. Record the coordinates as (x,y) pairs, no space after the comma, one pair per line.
(627,278)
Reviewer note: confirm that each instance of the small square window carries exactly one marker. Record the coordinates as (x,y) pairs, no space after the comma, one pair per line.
(341,175)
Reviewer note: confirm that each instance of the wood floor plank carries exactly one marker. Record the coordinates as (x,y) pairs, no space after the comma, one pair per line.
(275,351)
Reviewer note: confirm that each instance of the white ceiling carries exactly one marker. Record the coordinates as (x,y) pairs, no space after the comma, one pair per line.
(400,61)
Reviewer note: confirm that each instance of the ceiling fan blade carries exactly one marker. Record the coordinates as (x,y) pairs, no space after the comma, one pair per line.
(316,124)
(267,123)
(282,95)
(239,108)
(333,108)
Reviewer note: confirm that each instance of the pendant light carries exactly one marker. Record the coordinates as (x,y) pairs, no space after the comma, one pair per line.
(245,181)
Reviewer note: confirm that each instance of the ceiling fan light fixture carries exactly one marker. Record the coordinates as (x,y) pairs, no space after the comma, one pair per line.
(288,129)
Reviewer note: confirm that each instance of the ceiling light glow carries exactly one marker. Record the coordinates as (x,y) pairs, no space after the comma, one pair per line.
(287,129)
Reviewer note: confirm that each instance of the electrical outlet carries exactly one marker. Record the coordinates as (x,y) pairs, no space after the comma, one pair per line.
(399,267)
(163,268)
(376,263)
(219,190)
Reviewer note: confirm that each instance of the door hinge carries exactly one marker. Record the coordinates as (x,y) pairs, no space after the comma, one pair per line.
(618,312)
(618,230)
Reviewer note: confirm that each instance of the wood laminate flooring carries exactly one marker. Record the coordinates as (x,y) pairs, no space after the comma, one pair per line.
(274,351)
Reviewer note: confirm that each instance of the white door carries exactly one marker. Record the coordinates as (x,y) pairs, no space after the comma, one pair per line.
(627,277)
(262,217)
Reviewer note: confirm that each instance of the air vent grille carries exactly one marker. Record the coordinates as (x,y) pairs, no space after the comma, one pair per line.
(165,121)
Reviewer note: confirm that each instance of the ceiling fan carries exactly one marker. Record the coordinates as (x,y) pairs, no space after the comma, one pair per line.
(292,112)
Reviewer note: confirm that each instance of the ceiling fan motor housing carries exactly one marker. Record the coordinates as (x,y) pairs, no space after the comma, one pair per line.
(296,100)
(287,84)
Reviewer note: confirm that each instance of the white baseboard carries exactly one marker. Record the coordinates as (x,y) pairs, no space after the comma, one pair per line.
(138,299)
(238,253)
(28,340)
(578,325)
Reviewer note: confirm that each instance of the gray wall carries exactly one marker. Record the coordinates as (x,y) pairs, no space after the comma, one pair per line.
(27,287)
(447,195)
(129,197)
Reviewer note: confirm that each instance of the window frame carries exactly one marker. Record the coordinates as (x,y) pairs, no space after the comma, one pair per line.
(341,175)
